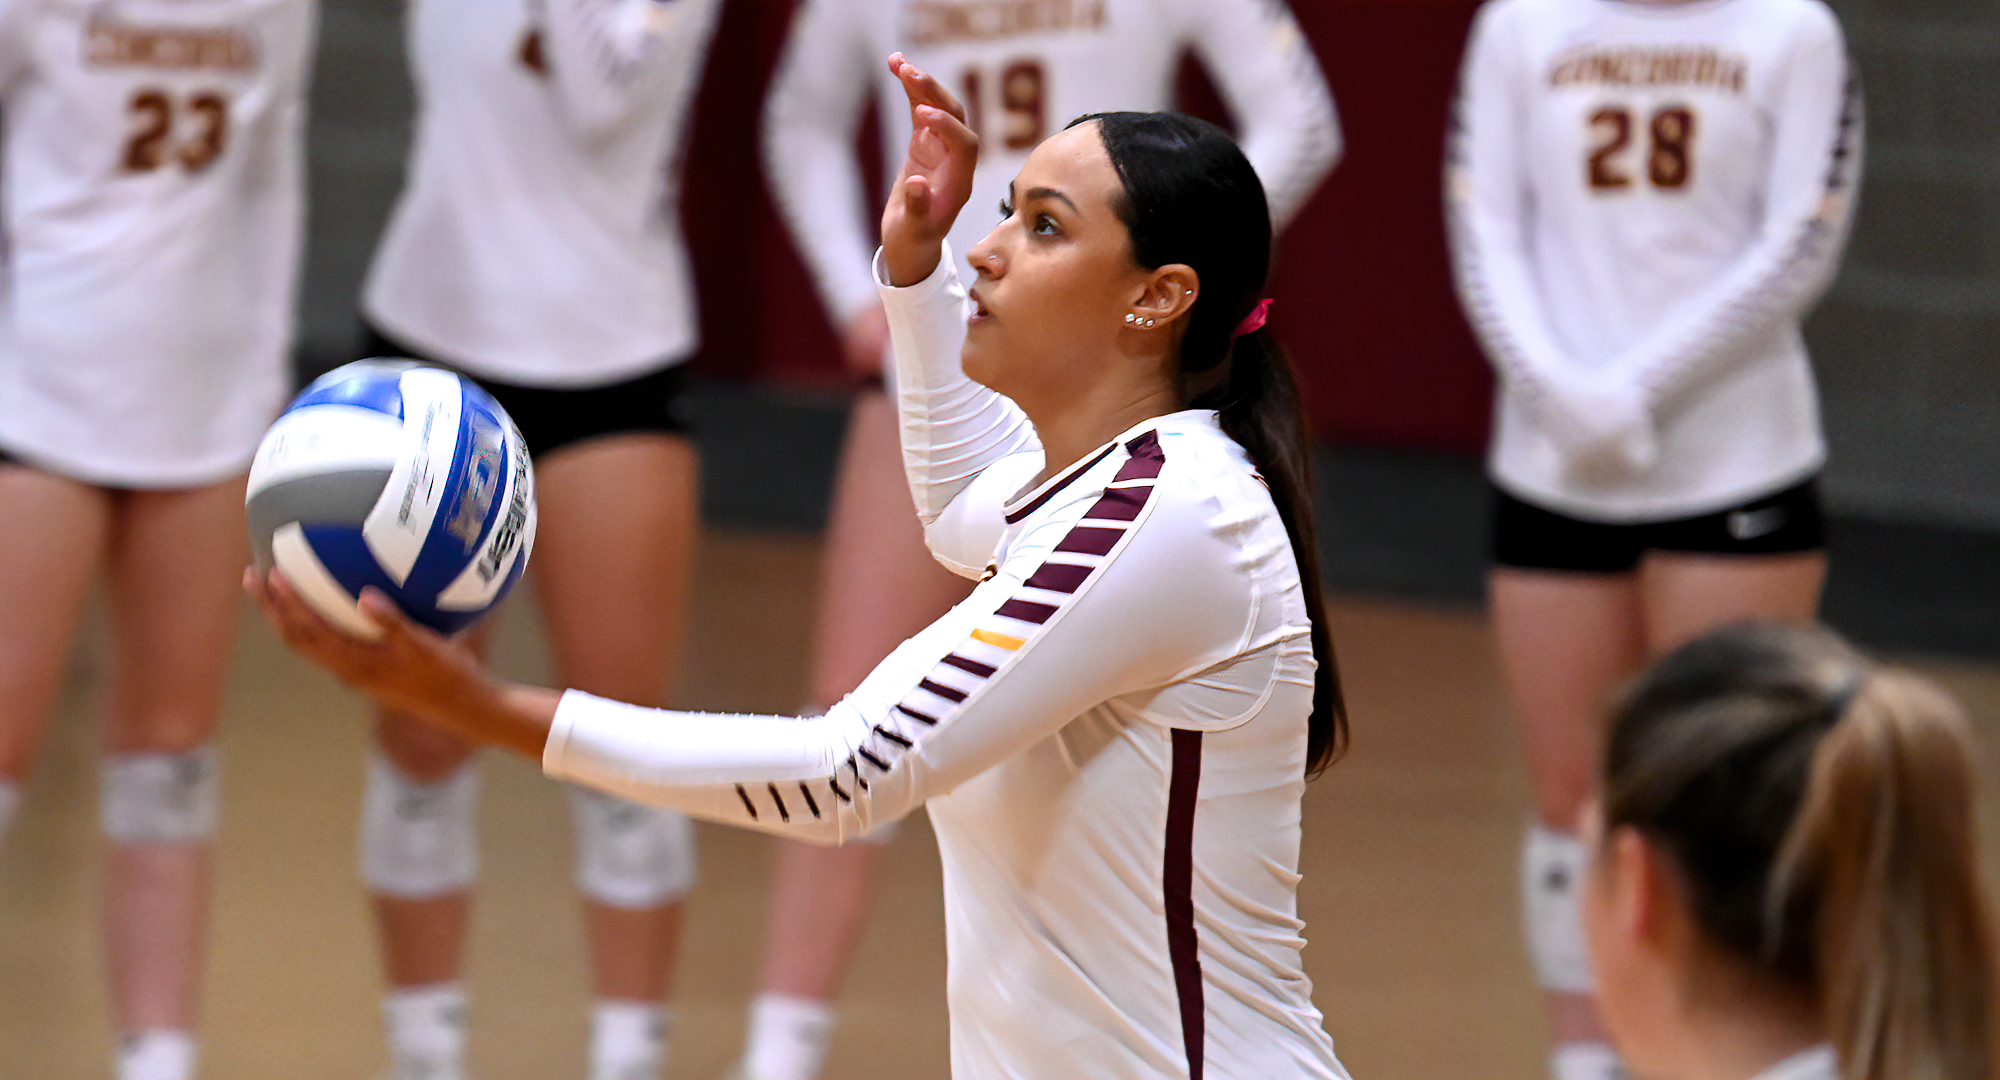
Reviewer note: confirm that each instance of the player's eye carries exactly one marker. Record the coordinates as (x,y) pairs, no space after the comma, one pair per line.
(1045,225)
(1006,209)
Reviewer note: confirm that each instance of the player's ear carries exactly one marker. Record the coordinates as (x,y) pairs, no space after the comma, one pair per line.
(1170,293)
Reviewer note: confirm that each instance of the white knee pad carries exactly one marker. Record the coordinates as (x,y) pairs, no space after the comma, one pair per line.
(629,855)
(1552,869)
(417,839)
(159,798)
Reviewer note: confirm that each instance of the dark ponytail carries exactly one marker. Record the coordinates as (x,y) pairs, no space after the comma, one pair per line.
(1191,197)
(1821,816)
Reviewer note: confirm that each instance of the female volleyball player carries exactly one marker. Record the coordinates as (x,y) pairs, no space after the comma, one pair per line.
(1114,730)
(1786,882)
(538,248)
(1645,200)
(1018,74)
(152,203)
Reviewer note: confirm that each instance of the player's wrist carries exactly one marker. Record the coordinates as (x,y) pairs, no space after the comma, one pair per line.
(908,261)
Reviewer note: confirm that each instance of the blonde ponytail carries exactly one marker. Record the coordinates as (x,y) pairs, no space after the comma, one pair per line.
(1822,814)
(1885,840)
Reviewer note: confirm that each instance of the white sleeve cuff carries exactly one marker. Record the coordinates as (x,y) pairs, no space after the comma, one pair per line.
(559,729)
(942,277)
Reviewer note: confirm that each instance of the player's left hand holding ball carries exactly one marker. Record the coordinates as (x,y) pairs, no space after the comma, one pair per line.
(409,667)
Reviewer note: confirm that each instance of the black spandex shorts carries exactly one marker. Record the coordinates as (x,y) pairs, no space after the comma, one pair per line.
(1531,538)
(551,419)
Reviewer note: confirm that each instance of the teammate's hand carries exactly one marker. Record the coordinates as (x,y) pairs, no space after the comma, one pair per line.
(864,339)
(1607,435)
(935,181)
(408,667)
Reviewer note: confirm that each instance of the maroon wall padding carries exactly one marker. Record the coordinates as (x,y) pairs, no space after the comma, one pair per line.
(1363,287)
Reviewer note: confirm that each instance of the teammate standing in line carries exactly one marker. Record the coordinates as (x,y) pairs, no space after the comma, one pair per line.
(1645,200)
(1786,882)
(152,206)
(1114,730)
(537,247)
(1021,68)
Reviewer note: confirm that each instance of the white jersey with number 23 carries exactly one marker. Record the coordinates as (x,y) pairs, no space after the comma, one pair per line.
(152,209)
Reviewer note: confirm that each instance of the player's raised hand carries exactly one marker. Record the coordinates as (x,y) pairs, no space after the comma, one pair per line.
(935,181)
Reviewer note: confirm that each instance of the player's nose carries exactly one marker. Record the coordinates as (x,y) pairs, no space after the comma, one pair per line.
(987,256)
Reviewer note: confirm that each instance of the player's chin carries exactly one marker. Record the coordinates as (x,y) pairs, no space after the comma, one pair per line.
(979,358)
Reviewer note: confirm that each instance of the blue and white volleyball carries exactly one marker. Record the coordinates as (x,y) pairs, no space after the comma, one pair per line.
(398,475)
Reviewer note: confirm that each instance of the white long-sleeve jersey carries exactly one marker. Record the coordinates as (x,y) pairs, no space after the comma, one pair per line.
(153,200)
(538,238)
(1110,733)
(1023,68)
(1646,198)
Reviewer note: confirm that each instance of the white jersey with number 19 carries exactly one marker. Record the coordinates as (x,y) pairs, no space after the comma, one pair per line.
(1023,69)
(153,199)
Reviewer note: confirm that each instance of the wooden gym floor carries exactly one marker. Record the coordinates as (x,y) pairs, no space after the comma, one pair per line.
(1409,887)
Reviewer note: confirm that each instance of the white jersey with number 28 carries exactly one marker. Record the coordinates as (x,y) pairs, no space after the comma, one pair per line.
(153,196)
(1646,199)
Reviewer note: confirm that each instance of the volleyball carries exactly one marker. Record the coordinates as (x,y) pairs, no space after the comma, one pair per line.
(398,475)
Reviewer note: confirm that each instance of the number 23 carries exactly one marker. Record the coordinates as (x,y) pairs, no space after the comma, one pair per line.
(152,110)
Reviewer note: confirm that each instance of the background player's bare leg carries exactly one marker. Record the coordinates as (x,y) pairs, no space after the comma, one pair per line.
(613,560)
(174,561)
(1688,595)
(1566,640)
(45,572)
(879,587)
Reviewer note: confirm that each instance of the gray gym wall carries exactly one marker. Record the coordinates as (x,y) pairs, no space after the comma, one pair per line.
(1907,342)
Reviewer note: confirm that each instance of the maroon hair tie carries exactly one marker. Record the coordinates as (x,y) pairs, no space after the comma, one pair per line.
(1254,321)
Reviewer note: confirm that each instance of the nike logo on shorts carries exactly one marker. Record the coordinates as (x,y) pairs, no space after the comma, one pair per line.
(1751,524)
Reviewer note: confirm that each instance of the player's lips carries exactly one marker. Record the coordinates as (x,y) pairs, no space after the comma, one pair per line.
(979,312)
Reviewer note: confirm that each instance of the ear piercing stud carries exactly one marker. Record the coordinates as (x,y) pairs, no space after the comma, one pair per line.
(1134,320)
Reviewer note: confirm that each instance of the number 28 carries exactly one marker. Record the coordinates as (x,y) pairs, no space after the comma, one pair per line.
(1669,159)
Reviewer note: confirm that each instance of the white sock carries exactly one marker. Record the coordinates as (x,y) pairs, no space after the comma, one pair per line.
(1585,1061)
(10,798)
(157,1054)
(426,1026)
(788,1037)
(628,1039)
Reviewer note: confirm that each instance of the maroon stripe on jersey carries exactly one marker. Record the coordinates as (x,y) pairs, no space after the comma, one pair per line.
(1084,540)
(1043,499)
(941,690)
(747,804)
(784,815)
(1139,468)
(1177,886)
(811,803)
(893,737)
(973,666)
(1120,504)
(1027,611)
(1059,577)
(921,718)
(1147,457)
